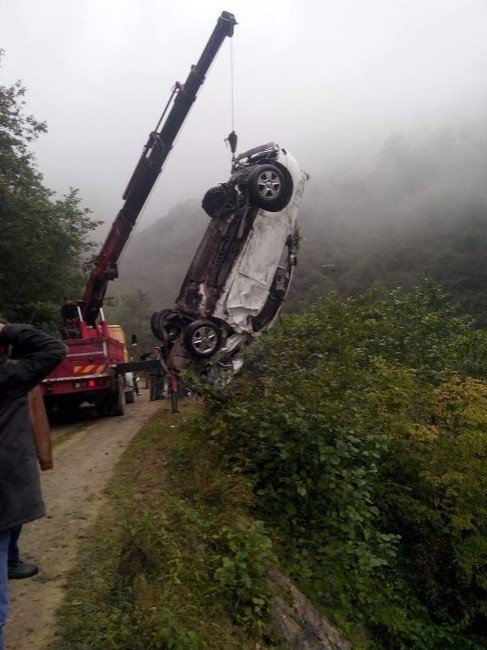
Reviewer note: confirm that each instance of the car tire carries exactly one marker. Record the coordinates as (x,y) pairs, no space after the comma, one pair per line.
(202,338)
(220,201)
(165,329)
(268,188)
(119,398)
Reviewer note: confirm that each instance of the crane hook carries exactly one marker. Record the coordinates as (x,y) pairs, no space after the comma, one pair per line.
(232,140)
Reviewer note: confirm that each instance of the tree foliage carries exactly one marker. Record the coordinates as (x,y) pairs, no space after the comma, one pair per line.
(133,312)
(43,239)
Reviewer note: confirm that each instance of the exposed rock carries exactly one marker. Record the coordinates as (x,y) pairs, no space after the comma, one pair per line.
(297,622)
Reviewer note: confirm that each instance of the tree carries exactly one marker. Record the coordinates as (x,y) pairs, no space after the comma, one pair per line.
(43,239)
(133,311)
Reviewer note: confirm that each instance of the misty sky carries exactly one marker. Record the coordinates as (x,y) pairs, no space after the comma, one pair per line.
(328,79)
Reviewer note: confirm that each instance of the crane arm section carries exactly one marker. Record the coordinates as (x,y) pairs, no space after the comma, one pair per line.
(155,152)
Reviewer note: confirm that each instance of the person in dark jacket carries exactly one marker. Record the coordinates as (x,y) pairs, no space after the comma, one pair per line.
(27,355)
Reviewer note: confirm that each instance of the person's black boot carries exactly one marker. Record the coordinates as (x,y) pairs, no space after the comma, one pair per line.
(19,570)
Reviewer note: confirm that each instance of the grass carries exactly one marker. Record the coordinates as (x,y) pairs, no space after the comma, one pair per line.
(174,561)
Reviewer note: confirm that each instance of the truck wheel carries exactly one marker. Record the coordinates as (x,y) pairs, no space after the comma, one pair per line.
(119,398)
(268,188)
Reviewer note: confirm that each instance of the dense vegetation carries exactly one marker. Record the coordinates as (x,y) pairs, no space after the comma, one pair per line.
(362,425)
(43,239)
(133,312)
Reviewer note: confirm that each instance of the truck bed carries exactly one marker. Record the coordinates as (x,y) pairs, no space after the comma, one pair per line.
(88,366)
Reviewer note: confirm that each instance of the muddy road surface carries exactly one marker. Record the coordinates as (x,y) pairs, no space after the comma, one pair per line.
(85,453)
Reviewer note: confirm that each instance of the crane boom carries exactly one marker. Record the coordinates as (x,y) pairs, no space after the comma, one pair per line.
(149,166)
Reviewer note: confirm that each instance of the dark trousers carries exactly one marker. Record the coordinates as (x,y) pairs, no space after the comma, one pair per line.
(153,387)
(13,548)
(4,542)
(156,386)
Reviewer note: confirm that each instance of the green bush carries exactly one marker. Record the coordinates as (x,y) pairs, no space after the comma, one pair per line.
(365,438)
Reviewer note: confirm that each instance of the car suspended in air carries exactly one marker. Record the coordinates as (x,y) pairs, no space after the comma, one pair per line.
(242,270)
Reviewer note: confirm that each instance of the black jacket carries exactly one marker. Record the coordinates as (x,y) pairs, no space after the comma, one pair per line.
(37,354)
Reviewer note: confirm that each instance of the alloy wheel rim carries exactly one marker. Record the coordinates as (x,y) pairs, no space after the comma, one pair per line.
(204,339)
(268,185)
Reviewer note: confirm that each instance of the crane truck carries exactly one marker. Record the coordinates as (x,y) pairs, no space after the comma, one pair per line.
(97,365)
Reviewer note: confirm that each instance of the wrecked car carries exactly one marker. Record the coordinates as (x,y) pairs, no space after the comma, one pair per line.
(242,270)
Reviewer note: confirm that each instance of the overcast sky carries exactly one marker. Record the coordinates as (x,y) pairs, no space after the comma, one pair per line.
(328,79)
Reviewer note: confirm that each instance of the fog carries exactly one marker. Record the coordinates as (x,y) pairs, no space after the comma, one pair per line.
(331,80)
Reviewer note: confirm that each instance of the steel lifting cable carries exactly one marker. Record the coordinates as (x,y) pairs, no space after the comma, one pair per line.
(231,139)
(232,86)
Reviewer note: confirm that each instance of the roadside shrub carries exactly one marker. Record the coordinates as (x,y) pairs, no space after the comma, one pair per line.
(243,565)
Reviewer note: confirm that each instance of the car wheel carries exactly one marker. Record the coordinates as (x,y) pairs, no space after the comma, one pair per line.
(220,201)
(202,338)
(268,188)
(165,327)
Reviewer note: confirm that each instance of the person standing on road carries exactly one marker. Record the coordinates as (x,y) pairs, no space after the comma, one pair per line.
(27,355)
(156,377)
(17,569)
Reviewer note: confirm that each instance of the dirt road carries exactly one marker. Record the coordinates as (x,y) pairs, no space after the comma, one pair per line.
(84,456)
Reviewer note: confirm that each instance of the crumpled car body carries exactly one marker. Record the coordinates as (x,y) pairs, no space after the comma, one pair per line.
(242,270)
